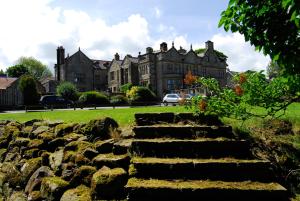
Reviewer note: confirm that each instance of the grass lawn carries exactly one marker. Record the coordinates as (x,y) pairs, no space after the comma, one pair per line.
(124,116)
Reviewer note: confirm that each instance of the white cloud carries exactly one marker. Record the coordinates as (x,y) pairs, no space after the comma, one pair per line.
(157,12)
(241,55)
(36,29)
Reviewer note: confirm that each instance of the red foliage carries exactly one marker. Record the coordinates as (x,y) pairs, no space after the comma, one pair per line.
(202,105)
(238,90)
(190,78)
(243,78)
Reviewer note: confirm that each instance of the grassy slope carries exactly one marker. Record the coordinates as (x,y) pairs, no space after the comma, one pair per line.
(124,116)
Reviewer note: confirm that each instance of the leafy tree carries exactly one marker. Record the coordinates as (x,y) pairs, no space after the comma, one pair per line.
(252,90)
(35,68)
(17,71)
(189,78)
(273,70)
(93,97)
(125,87)
(27,85)
(67,90)
(272,26)
(140,94)
(1,71)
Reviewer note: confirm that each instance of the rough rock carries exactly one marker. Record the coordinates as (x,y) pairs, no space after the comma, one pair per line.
(63,129)
(11,174)
(18,196)
(107,183)
(56,159)
(105,146)
(52,188)
(80,193)
(83,175)
(29,168)
(99,128)
(40,129)
(35,180)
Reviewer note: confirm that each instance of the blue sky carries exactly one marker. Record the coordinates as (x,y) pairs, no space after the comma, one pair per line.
(103,27)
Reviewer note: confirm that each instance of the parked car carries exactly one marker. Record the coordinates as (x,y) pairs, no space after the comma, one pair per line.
(49,101)
(171,99)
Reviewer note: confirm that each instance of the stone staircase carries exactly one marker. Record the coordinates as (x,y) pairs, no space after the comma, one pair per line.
(196,163)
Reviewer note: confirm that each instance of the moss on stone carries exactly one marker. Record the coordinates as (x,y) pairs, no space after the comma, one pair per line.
(29,168)
(20,141)
(18,196)
(132,171)
(35,143)
(79,146)
(72,137)
(46,136)
(12,174)
(80,193)
(2,154)
(31,153)
(107,183)
(69,156)
(52,188)
(63,129)
(83,175)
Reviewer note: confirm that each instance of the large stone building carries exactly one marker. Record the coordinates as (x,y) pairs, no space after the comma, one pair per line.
(164,70)
(85,73)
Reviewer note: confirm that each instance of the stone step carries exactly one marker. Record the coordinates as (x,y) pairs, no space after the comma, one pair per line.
(199,148)
(195,190)
(225,169)
(182,132)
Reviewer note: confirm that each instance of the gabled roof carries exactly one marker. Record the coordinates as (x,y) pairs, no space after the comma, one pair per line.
(80,53)
(101,64)
(6,82)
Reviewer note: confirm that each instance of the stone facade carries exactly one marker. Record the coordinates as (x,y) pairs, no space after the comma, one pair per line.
(86,74)
(164,70)
(122,71)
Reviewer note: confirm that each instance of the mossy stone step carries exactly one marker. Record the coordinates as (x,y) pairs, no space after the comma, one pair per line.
(182,132)
(199,148)
(225,169)
(151,189)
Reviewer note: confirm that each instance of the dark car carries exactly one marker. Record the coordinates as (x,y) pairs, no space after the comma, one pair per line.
(52,101)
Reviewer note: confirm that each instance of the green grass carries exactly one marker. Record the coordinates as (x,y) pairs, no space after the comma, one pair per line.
(124,116)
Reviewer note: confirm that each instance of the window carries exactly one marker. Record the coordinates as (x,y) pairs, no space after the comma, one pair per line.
(112,75)
(79,78)
(126,76)
(173,84)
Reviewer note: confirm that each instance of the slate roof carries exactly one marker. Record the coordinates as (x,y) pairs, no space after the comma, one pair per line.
(101,64)
(6,82)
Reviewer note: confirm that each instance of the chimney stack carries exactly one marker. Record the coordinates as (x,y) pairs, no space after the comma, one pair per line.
(117,57)
(164,47)
(60,55)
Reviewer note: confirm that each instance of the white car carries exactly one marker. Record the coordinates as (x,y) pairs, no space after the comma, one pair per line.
(171,98)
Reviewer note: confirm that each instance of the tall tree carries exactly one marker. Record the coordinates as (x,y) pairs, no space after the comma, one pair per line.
(272,26)
(35,67)
(16,71)
(273,70)
(27,85)
(1,71)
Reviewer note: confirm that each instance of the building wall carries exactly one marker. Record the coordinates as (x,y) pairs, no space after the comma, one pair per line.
(100,79)
(115,73)
(11,96)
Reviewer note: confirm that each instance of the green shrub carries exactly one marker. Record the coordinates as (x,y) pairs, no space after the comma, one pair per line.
(67,90)
(119,100)
(140,94)
(93,97)
(126,87)
(27,86)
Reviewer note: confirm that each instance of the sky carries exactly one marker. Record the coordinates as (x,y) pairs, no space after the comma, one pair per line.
(103,27)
